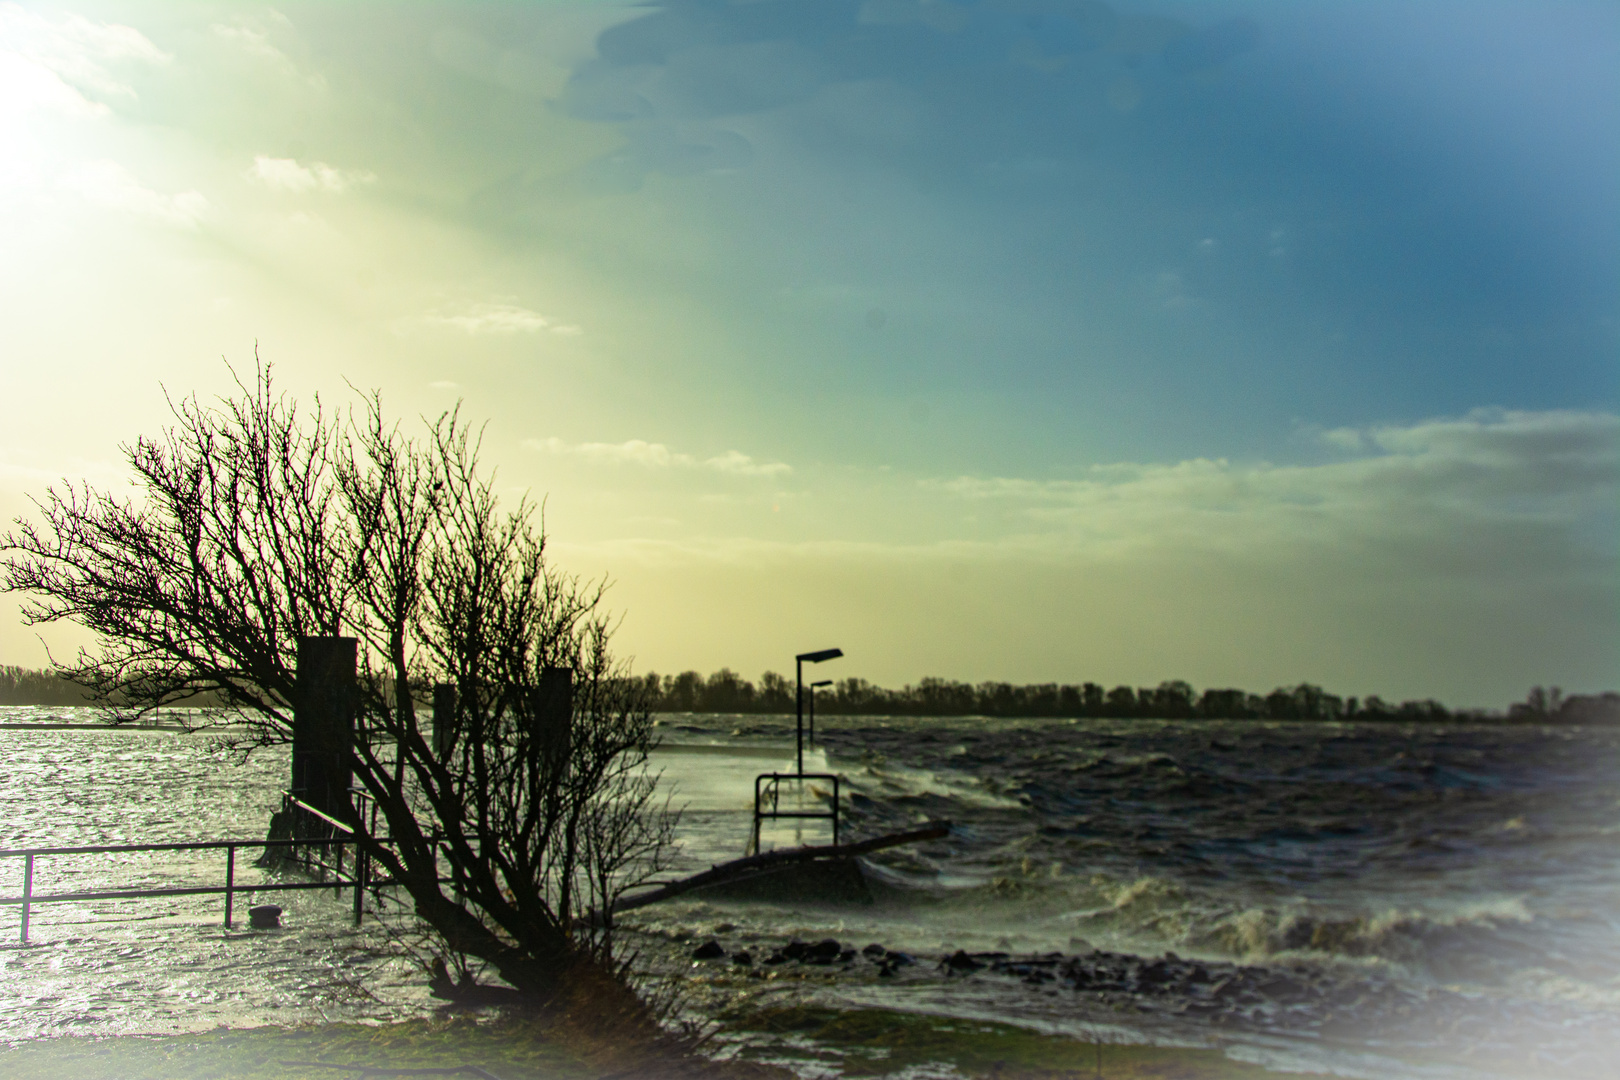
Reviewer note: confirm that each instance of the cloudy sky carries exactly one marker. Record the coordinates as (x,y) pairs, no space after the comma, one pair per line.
(1041,340)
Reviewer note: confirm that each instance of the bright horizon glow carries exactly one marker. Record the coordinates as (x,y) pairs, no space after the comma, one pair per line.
(1029,340)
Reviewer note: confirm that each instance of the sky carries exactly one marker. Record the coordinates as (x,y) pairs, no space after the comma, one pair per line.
(1244,343)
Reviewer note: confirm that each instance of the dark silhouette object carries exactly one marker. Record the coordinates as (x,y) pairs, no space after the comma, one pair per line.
(742,869)
(264,916)
(725,691)
(323,726)
(709,950)
(444,718)
(553,713)
(798,663)
(262,532)
(813,687)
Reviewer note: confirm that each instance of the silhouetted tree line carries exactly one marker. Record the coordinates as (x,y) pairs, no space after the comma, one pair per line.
(22,686)
(26,686)
(727,692)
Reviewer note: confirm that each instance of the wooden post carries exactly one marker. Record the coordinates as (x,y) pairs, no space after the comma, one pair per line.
(554,714)
(323,724)
(444,719)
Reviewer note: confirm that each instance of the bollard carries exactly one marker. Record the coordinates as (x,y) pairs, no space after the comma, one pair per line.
(554,715)
(444,718)
(323,725)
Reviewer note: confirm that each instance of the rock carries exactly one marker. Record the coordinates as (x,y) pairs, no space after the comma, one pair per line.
(264,916)
(898,959)
(795,949)
(709,950)
(745,958)
(1154,973)
(960,961)
(776,958)
(874,950)
(724,928)
(824,951)
(846,956)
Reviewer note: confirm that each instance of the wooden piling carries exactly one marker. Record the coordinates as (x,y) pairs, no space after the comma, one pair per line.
(444,719)
(554,714)
(323,723)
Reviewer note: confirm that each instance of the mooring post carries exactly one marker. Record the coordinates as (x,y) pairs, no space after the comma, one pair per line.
(554,714)
(444,719)
(323,725)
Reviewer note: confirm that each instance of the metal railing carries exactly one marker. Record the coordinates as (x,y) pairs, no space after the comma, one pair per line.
(29,898)
(770,784)
(359,876)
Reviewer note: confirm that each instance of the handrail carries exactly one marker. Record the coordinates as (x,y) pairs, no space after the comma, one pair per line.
(323,815)
(359,878)
(775,786)
(190,845)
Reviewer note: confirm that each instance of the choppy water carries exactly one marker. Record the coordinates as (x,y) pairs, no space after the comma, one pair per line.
(1376,900)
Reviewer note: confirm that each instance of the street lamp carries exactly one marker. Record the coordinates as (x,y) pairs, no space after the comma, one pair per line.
(818,682)
(798,700)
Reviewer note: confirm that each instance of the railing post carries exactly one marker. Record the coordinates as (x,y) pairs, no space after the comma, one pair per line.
(835,809)
(230,881)
(360,868)
(28,893)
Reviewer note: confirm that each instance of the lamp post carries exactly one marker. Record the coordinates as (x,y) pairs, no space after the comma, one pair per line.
(818,682)
(798,698)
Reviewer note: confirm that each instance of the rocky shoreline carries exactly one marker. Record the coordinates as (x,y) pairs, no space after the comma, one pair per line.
(1296,999)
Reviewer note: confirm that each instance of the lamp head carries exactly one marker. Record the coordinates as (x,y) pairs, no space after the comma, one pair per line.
(821,682)
(818,657)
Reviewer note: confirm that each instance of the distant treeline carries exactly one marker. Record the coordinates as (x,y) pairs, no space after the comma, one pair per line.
(21,686)
(727,692)
(25,686)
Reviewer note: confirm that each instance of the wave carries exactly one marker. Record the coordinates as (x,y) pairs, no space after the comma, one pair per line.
(898,785)
(1485,941)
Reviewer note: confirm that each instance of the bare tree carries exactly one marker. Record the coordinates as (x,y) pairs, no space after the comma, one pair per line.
(260,525)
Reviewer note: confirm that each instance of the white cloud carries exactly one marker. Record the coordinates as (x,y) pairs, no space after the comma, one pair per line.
(66,64)
(256,42)
(501,319)
(1344,439)
(633,451)
(250,40)
(740,464)
(288,175)
(110,185)
(659,456)
(1557,470)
